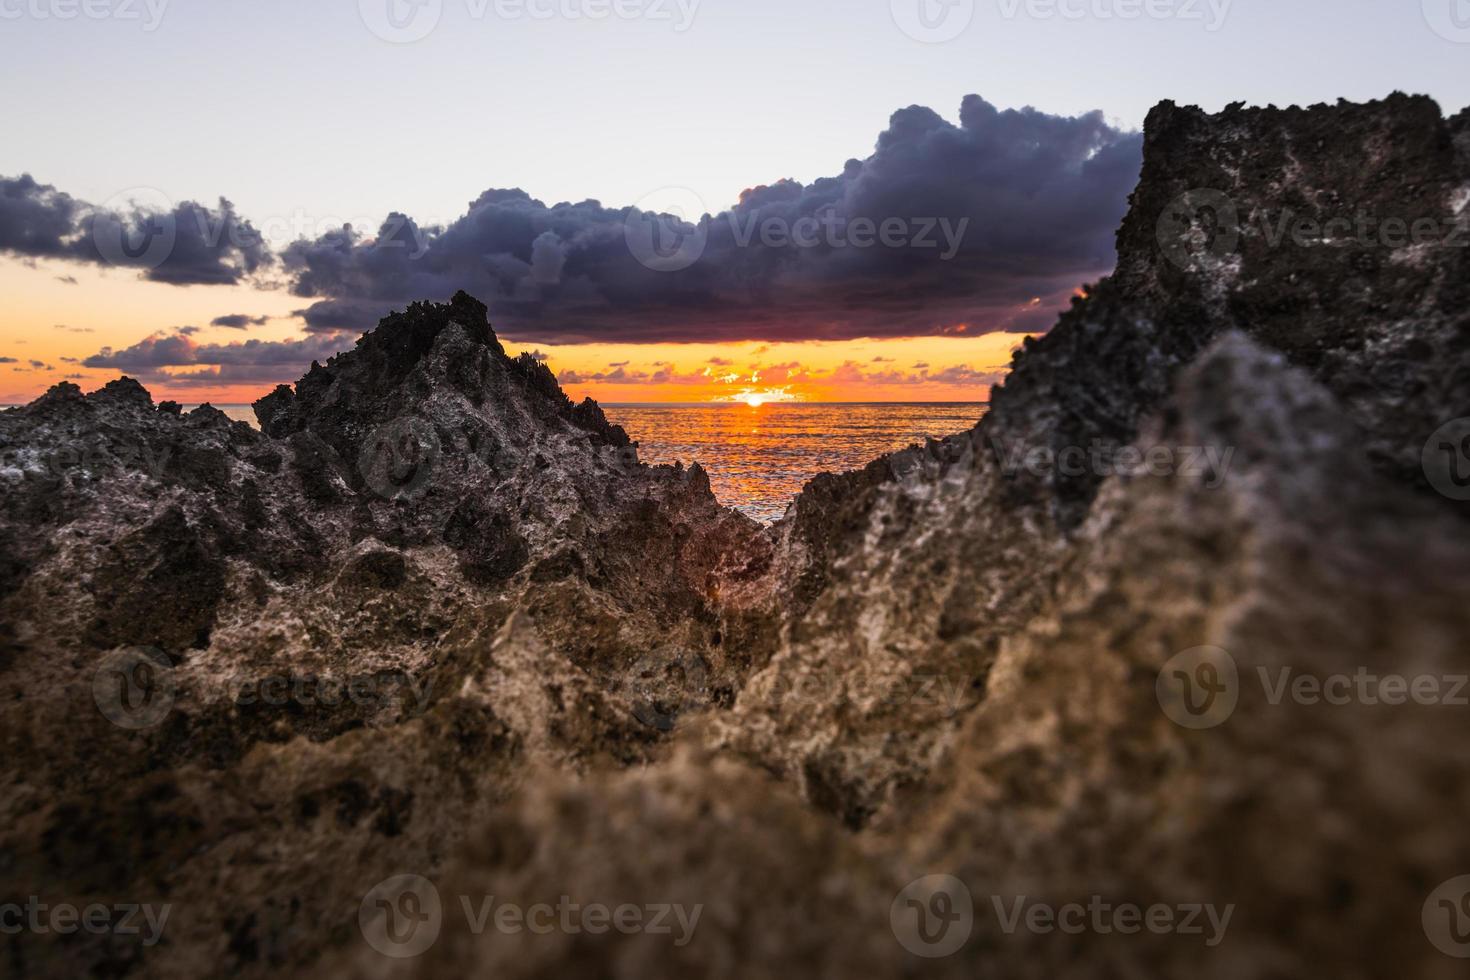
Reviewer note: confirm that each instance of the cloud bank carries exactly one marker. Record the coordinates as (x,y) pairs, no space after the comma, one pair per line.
(182,244)
(252,362)
(944,229)
(950,229)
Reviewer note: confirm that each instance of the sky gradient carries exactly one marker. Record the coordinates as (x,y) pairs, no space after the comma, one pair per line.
(495,133)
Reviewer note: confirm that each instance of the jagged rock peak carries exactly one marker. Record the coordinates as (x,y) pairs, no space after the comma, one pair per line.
(426,349)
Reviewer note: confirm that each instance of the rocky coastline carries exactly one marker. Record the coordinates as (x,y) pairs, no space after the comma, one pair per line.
(434,622)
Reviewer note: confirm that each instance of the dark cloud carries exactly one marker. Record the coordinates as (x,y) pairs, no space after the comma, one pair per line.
(250,362)
(69,280)
(62,326)
(239,321)
(36,220)
(156,351)
(991,224)
(8,360)
(181,244)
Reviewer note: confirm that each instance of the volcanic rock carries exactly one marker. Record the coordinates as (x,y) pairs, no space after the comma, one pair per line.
(435,624)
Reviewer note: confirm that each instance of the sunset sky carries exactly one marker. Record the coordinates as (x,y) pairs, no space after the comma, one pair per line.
(525,158)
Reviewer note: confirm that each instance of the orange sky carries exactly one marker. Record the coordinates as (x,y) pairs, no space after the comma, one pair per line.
(57,324)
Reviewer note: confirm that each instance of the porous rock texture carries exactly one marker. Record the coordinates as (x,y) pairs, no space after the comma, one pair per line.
(581,678)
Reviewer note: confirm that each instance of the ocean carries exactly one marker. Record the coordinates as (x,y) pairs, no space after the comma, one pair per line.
(758,458)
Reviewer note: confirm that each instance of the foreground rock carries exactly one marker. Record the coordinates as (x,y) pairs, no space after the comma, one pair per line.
(238,663)
(1057,660)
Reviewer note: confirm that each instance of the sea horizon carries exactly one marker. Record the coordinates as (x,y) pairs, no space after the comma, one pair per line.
(758,458)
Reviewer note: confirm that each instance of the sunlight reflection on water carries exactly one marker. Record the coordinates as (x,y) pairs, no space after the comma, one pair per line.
(759,458)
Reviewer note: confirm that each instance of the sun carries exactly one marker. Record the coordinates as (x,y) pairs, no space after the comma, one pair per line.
(756,397)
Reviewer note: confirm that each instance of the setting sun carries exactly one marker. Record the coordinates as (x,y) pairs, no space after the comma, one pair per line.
(756,397)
